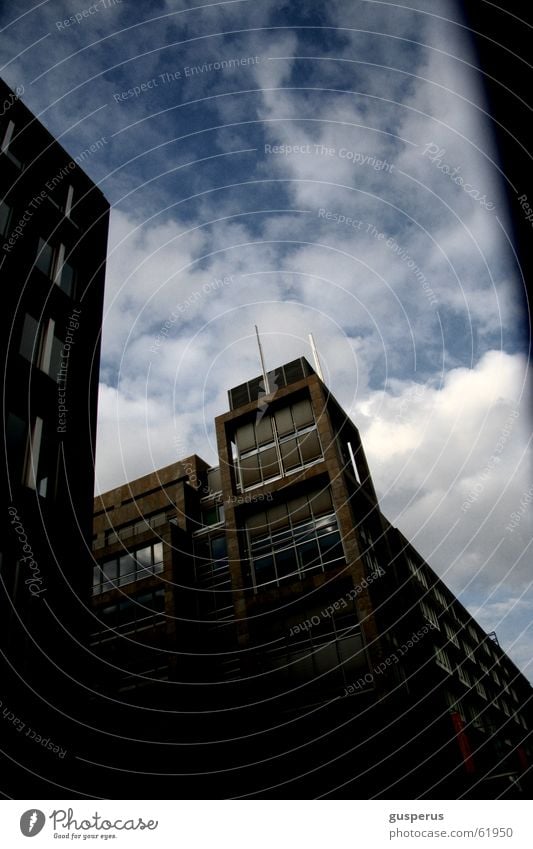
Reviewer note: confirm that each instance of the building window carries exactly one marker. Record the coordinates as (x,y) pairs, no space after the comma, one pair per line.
(212,515)
(69,199)
(128,567)
(277,444)
(440,598)
(469,651)
(473,633)
(52,263)
(442,659)
(141,526)
(35,469)
(481,689)
(450,633)
(40,346)
(214,481)
(45,257)
(430,614)
(5,215)
(7,146)
(64,272)
(463,675)
(418,572)
(292,538)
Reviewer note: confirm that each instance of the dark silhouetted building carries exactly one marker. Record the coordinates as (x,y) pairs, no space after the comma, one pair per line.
(54,224)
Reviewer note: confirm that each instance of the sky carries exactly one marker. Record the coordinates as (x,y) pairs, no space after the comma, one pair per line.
(309,168)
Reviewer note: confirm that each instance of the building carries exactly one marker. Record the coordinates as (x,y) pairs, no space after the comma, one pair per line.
(291,642)
(54,224)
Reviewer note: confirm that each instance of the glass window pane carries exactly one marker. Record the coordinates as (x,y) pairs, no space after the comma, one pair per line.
(245,438)
(110,569)
(55,359)
(301,665)
(299,509)
(263,431)
(302,414)
(264,569)
(144,556)
(210,515)
(29,342)
(309,554)
(284,423)
(257,524)
(278,517)
(45,255)
(144,599)
(218,548)
(321,502)
(158,552)
(250,470)
(269,463)
(352,655)
(127,567)
(326,658)
(4,217)
(66,279)
(331,547)
(109,615)
(158,520)
(290,454)
(286,563)
(310,446)
(126,610)
(214,481)
(97,575)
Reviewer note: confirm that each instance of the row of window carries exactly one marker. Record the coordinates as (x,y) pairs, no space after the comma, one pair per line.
(133,529)
(128,567)
(334,663)
(131,614)
(478,640)
(290,513)
(443,660)
(254,389)
(480,719)
(277,444)
(292,553)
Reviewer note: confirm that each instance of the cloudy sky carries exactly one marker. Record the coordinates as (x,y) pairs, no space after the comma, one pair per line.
(310,167)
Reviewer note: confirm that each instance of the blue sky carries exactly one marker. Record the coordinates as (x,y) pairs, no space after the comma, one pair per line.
(239,138)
